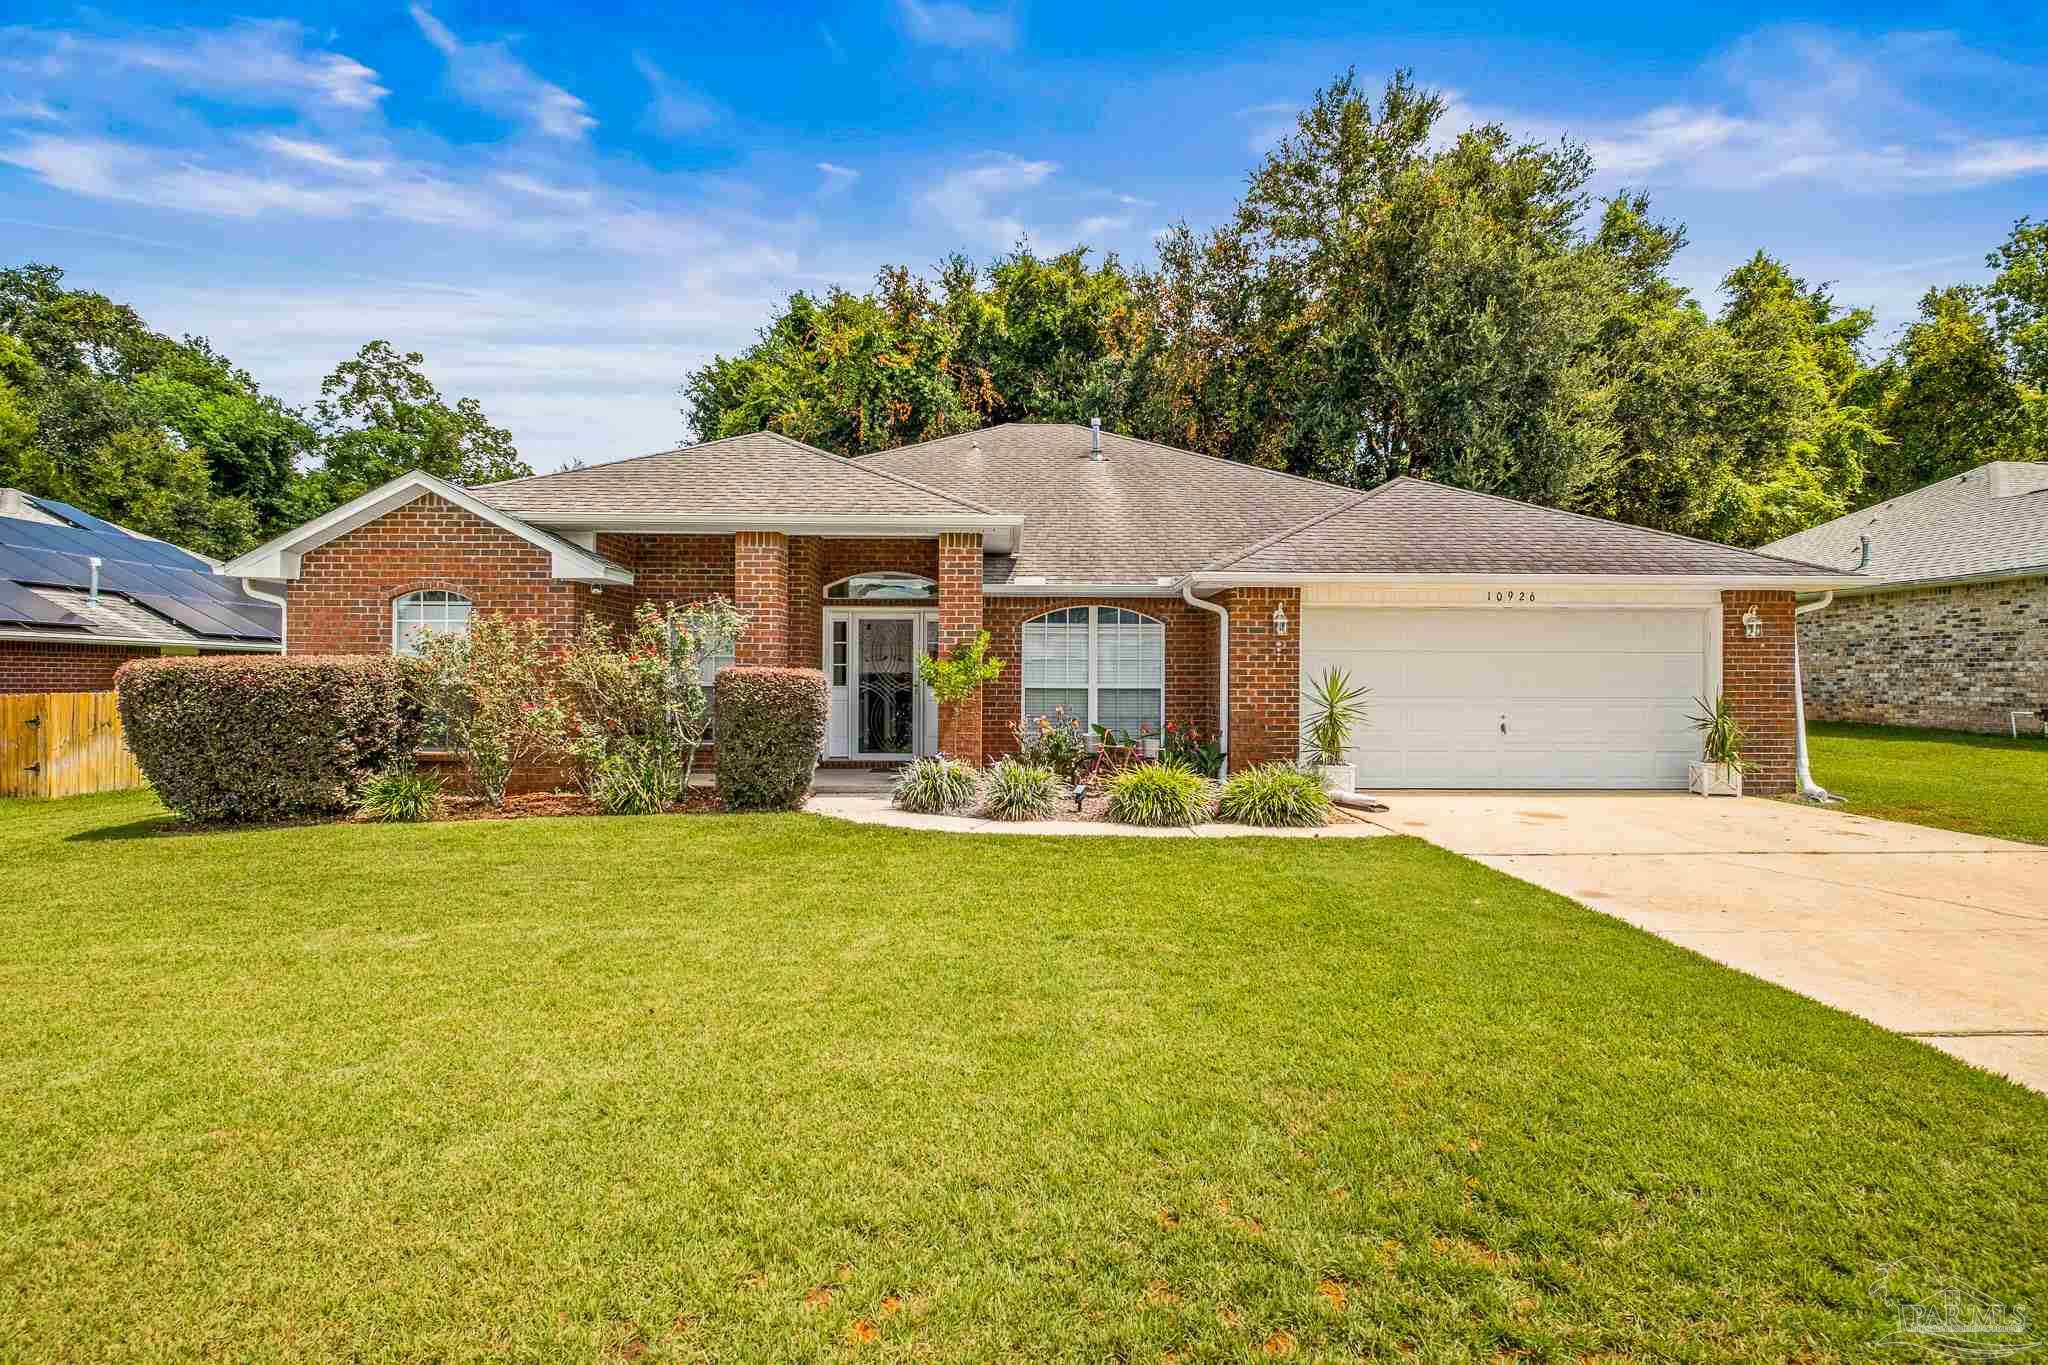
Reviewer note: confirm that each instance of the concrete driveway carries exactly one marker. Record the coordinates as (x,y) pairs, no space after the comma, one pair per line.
(1938,936)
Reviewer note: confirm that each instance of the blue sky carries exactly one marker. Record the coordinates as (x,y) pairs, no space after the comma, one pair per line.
(566,208)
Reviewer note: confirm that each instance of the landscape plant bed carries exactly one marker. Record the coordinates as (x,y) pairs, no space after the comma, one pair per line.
(540,805)
(796,1088)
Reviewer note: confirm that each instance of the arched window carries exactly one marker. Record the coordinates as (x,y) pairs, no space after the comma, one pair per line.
(883,587)
(433,612)
(1099,665)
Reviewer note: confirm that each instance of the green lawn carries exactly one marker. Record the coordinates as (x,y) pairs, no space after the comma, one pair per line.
(779,1087)
(1978,784)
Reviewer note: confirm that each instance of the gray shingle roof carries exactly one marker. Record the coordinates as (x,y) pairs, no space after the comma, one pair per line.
(1412,526)
(1143,513)
(1990,521)
(754,475)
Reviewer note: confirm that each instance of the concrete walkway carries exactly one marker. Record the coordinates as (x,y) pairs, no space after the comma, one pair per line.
(1935,935)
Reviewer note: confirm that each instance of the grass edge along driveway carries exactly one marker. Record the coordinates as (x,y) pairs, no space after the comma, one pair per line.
(1974,784)
(781,1087)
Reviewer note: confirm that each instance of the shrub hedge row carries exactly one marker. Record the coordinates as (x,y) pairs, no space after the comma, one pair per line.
(251,739)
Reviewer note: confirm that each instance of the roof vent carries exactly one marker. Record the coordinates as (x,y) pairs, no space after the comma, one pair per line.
(1095,439)
(1862,554)
(93,562)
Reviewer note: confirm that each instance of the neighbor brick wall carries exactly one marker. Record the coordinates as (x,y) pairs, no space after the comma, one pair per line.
(341,601)
(1265,676)
(760,584)
(60,666)
(1956,658)
(1756,677)
(1190,660)
(960,622)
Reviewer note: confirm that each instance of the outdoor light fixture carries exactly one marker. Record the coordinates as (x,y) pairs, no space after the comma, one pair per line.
(1279,620)
(1752,624)
(1080,795)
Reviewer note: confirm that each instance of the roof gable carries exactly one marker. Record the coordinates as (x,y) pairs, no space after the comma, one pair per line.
(1412,526)
(763,476)
(1989,522)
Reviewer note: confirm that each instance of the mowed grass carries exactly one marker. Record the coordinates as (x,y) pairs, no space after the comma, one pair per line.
(784,1088)
(1977,784)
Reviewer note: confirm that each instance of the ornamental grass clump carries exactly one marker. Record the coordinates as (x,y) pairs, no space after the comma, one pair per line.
(1160,795)
(401,794)
(1011,790)
(1275,795)
(935,786)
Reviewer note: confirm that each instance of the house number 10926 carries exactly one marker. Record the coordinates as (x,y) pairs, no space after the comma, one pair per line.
(1512,595)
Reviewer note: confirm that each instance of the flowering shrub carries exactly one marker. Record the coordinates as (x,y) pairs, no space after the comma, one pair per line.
(1191,746)
(640,711)
(1057,742)
(496,696)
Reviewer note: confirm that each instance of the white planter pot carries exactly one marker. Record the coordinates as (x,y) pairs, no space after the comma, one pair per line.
(1338,777)
(1713,779)
(1151,746)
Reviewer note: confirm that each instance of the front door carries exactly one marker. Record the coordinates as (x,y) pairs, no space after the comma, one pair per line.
(879,708)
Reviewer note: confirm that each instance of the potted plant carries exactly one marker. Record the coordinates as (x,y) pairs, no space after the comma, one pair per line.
(1721,765)
(1333,708)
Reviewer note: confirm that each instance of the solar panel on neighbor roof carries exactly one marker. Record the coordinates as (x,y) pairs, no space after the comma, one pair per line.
(73,514)
(20,606)
(158,576)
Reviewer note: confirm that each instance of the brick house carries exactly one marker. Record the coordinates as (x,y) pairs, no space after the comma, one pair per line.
(1122,582)
(80,596)
(1946,624)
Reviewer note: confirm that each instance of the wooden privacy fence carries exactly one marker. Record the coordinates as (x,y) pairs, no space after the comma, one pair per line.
(63,744)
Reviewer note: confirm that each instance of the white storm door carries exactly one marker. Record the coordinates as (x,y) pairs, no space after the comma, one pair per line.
(838,666)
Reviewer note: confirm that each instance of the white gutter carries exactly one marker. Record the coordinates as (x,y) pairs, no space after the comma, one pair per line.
(1817,582)
(1187,595)
(1808,788)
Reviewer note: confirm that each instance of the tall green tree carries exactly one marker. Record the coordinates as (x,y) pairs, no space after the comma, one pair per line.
(379,416)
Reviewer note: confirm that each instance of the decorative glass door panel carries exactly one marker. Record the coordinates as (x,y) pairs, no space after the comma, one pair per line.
(885,708)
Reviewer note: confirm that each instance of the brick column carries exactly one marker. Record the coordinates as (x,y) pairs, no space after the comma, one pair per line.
(760,588)
(959,623)
(1756,677)
(1265,676)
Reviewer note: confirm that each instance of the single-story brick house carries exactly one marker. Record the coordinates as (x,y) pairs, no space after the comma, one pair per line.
(80,596)
(1129,583)
(1948,626)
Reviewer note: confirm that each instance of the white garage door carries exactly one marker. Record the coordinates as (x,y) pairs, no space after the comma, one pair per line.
(1517,697)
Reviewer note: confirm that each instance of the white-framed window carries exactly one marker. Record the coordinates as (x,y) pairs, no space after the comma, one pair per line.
(1099,665)
(708,669)
(421,613)
(883,587)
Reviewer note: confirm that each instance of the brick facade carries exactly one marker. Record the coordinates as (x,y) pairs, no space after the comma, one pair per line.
(1756,677)
(1265,676)
(760,587)
(1190,660)
(1955,658)
(960,621)
(61,666)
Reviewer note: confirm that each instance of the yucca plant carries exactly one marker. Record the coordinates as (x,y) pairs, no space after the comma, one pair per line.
(1721,736)
(1332,707)
(935,786)
(1019,791)
(400,794)
(1160,795)
(1274,795)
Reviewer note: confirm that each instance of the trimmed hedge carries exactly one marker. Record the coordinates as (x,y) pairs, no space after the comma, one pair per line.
(234,740)
(771,726)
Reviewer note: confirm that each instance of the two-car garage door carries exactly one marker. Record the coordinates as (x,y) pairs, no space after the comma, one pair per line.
(1518,696)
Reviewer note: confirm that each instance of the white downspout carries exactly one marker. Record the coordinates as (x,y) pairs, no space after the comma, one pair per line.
(1808,788)
(1187,593)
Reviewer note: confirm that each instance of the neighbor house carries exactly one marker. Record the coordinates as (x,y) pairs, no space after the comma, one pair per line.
(80,596)
(1948,626)
(1124,583)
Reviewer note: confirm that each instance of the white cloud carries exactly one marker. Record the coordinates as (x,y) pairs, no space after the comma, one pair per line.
(39,111)
(490,77)
(837,177)
(675,109)
(948,23)
(541,189)
(1098,224)
(966,200)
(246,62)
(320,154)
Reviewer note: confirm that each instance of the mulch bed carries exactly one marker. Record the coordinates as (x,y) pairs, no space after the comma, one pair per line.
(538,805)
